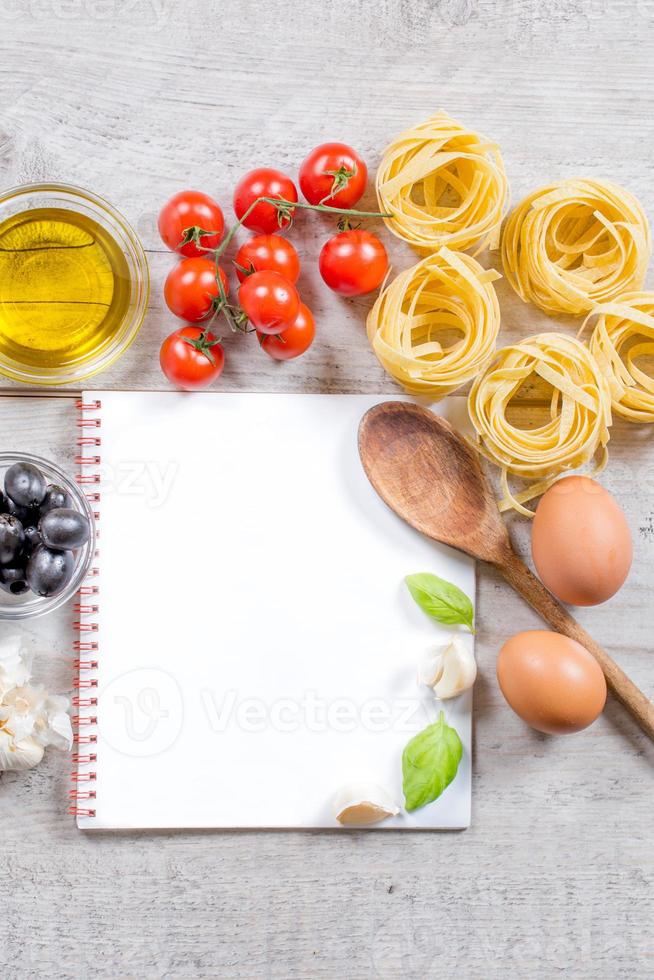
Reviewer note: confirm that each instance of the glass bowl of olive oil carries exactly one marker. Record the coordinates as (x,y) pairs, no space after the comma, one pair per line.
(74,284)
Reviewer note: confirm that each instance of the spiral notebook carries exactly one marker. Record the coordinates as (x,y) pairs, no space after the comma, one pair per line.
(246,645)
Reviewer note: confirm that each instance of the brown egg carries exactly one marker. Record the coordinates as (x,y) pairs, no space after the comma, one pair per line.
(580,542)
(551,681)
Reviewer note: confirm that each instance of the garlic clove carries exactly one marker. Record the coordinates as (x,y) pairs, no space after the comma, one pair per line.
(53,726)
(430,668)
(361,804)
(23,754)
(448,670)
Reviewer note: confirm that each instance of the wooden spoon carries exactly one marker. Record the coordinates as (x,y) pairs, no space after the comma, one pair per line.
(432,479)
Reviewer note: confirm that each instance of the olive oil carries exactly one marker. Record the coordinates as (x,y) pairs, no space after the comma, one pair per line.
(64,287)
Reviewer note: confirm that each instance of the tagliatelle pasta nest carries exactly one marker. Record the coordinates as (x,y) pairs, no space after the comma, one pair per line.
(443,184)
(622,337)
(436,325)
(580,414)
(576,244)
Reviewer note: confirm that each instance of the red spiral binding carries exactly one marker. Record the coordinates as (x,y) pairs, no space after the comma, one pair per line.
(85,683)
(86,645)
(80,647)
(86,608)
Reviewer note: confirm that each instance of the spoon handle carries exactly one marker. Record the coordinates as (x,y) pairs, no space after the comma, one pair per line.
(530,588)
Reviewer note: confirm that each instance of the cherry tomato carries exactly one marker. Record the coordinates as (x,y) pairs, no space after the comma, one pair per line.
(268,252)
(269,301)
(191,288)
(191,358)
(190,209)
(333,174)
(263,182)
(353,262)
(293,340)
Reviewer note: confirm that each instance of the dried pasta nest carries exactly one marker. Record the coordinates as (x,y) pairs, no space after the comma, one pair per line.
(576,244)
(435,326)
(622,343)
(443,184)
(579,414)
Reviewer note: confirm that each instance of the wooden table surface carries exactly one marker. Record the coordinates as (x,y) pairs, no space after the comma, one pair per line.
(139,98)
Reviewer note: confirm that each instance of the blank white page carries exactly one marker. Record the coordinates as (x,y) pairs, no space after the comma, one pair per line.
(257,643)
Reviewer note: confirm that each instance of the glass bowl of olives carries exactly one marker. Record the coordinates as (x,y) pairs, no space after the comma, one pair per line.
(47,536)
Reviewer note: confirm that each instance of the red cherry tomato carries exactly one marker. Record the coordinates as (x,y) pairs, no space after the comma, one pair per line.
(353,262)
(191,358)
(263,182)
(269,301)
(268,252)
(333,174)
(190,209)
(191,288)
(293,340)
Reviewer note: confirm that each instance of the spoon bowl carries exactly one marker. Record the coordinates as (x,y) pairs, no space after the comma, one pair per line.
(429,476)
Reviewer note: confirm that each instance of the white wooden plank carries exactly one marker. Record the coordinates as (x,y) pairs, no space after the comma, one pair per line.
(138,98)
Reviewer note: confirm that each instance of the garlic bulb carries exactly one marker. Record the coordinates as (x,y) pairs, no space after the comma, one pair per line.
(30,718)
(448,670)
(360,804)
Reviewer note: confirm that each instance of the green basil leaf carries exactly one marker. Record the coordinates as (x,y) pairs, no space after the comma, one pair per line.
(430,762)
(441,600)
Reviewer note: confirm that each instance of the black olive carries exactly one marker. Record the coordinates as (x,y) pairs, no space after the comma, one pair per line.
(32,539)
(55,497)
(12,537)
(13,579)
(26,515)
(25,484)
(64,528)
(48,571)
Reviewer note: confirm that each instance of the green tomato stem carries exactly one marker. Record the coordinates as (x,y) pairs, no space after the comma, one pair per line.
(281,203)
(328,209)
